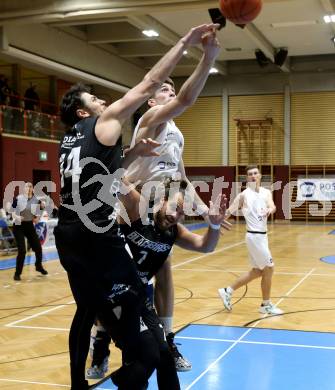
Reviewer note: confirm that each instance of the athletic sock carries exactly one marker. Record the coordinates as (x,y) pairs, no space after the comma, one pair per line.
(167,324)
(229,290)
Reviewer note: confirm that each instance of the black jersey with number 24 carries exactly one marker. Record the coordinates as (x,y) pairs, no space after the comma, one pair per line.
(79,143)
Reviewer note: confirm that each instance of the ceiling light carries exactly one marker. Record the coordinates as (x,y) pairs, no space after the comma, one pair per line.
(213,71)
(150,33)
(301,23)
(329,18)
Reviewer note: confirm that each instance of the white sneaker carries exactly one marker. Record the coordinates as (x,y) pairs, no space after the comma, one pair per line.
(226,298)
(98,372)
(182,364)
(270,308)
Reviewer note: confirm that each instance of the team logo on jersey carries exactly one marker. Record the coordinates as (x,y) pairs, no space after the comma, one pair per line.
(166,164)
(79,134)
(68,141)
(161,165)
(142,242)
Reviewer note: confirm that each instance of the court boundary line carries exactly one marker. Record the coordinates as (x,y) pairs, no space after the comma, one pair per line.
(33,382)
(245,334)
(13,324)
(38,327)
(256,342)
(246,270)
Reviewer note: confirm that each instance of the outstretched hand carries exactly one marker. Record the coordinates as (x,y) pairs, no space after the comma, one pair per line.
(210,44)
(146,147)
(217,212)
(195,35)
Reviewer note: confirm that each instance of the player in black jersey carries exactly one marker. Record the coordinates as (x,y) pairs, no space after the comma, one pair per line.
(90,248)
(150,243)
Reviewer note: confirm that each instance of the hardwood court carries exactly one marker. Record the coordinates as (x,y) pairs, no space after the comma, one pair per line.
(36,313)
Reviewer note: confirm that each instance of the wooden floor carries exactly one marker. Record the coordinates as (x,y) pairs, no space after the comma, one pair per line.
(35,314)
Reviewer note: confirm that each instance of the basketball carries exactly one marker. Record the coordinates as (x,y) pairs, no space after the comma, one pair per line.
(240,11)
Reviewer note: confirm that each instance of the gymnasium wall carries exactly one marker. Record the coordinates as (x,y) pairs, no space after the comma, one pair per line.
(201,125)
(19,157)
(208,175)
(309,126)
(258,107)
(312,128)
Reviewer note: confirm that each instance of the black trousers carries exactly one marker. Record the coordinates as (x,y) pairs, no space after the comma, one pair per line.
(26,229)
(167,378)
(155,354)
(102,276)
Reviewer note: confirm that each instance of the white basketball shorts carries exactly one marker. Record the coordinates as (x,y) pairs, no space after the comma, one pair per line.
(259,252)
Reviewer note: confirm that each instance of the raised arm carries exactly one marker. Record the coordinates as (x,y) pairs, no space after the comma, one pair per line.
(236,205)
(144,148)
(188,93)
(207,242)
(108,128)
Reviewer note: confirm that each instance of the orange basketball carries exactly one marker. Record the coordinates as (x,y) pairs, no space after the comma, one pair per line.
(240,11)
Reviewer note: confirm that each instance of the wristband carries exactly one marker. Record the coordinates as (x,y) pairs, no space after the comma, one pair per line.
(214,226)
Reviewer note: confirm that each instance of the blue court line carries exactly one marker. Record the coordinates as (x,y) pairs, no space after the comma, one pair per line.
(9,263)
(237,358)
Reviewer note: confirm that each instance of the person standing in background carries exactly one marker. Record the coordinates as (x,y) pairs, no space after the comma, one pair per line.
(26,211)
(31,99)
(257,205)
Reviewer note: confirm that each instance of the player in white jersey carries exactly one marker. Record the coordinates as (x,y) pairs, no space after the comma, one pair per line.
(157,123)
(257,205)
(170,151)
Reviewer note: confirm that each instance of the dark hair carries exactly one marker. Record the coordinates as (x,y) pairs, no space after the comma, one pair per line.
(169,81)
(168,182)
(249,167)
(71,102)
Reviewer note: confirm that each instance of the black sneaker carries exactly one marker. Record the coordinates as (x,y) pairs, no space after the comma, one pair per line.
(42,270)
(17,277)
(181,363)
